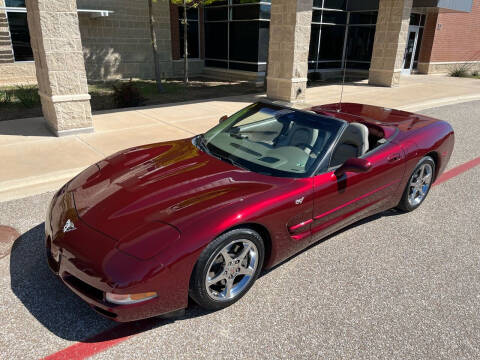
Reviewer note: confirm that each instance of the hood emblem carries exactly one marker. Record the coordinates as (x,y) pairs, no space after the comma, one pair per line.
(69,226)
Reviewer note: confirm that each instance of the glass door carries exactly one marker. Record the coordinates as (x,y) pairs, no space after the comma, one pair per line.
(410,49)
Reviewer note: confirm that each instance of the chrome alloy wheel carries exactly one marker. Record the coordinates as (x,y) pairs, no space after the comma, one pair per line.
(231,270)
(420,184)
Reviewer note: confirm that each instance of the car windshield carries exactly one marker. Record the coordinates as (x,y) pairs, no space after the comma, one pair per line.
(273,140)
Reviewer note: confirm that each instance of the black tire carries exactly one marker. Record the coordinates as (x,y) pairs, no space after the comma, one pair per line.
(405,205)
(198,289)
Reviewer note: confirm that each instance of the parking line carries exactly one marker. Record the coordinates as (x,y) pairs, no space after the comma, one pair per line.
(123,332)
(103,340)
(457,171)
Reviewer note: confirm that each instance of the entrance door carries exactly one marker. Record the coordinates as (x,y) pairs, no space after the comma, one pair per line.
(410,50)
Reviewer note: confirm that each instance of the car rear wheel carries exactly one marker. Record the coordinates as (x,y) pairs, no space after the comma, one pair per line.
(418,185)
(227,269)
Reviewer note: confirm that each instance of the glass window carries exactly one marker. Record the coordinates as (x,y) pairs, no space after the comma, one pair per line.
(263,37)
(238,31)
(360,18)
(247,12)
(20,36)
(216,40)
(272,140)
(329,65)
(316,16)
(192,33)
(334,17)
(314,38)
(331,42)
(244,41)
(360,43)
(415,19)
(335,4)
(15,3)
(216,13)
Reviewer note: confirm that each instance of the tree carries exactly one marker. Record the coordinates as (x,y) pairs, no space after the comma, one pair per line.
(158,75)
(188,4)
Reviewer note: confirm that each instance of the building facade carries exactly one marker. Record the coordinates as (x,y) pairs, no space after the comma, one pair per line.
(230,39)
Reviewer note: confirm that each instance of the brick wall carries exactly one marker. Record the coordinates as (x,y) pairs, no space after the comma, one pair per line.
(457,36)
(449,39)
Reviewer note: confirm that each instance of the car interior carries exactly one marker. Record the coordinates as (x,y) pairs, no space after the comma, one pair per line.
(285,142)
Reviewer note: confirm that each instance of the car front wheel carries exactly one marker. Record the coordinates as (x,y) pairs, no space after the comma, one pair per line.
(227,269)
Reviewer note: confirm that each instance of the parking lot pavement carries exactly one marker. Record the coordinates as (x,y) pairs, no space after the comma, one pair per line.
(392,286)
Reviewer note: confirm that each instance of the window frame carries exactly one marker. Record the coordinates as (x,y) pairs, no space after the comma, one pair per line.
(230,5)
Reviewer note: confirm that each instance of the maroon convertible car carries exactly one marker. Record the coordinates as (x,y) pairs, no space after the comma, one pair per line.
(140,232)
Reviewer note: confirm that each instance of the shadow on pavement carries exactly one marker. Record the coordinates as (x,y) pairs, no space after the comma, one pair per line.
(66,315)
(56,307)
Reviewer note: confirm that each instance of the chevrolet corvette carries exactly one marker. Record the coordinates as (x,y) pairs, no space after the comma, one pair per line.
(142,231)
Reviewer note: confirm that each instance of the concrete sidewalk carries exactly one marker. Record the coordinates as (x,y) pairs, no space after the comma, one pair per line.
(33,161)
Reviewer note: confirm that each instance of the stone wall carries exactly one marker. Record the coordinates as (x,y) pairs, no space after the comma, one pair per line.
(19,73)
(119,46)
(390,42)
(290,27)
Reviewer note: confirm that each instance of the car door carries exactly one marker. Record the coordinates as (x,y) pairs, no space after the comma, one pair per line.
(339,201)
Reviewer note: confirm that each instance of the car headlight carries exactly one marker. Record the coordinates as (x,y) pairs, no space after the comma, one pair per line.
(125,299)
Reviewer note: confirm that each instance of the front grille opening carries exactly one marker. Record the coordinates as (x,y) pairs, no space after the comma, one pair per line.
(54,265)
(105,312)
(83,287)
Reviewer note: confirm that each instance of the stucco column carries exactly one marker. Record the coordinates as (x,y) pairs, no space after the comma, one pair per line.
(290,27)
(62,80)
(390,40)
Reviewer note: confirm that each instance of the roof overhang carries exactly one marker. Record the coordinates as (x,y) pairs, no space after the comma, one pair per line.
(445,5)
(93,13)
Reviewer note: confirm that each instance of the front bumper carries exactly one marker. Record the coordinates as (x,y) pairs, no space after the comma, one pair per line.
(90,265)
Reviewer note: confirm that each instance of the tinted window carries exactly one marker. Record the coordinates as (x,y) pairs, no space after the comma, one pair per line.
(244,41)
(20,36)
(335,4)
(216,40)
(360,43)
(15,3)
(331,42)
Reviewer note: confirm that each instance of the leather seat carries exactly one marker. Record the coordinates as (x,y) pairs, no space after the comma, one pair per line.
(354,143)
(299,136)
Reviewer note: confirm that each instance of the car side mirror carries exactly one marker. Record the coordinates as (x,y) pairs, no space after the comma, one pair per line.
(222,119)
(355,165)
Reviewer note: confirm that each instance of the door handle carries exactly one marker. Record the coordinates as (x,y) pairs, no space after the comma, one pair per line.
(393,157)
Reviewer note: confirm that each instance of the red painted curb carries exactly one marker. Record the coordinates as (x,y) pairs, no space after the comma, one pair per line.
(123,332)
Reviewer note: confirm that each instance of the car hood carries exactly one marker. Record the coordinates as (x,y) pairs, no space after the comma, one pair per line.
(162,186)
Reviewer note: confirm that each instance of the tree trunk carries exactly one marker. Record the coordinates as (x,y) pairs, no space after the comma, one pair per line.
(158,75)
(185,44)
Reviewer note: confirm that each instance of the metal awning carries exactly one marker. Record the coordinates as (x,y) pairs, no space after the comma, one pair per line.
(93,13)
